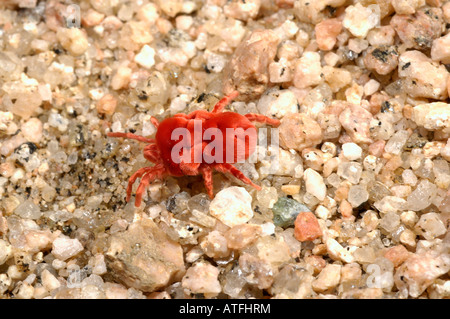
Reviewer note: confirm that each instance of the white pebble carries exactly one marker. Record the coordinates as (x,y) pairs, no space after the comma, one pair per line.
(232,206)
(49,281)
(315,184)
(145,57)
(351,151)
(65,247)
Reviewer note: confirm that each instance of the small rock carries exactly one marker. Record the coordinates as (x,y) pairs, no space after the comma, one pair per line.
(32,130)
(298,131)
(143,257)
(29,210)
(285,211)
(421,76)
(359,19)
(356,122)
(351,151)
(242,10)
(145,57)
(420,29)
(232,206)
(215,245)
(307,227)
(202,278)
(314,184)
(241,236)
(121,78)
(326,33)
(419,271)
(247,71)
(107,104)
(277,103)
(49,281)
(382,59)
(328,278)
(397,255)
(440,49)
(430,226)
(433,116)
(308,70)
(73,40)
(64,247)
(5,251)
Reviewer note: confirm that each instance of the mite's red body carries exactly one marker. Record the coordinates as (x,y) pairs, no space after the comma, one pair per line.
(160,150)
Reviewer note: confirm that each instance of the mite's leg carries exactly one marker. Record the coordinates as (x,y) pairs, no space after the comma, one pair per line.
(262,119)
(133,179)
(224,102)
(207,179)
(156,172)
(154,121)
(226,167)
(132,136)
(151,153)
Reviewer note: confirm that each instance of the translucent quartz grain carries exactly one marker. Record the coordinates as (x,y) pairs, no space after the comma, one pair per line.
(350,171)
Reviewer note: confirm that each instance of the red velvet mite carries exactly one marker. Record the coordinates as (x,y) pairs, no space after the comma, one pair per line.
(189,144)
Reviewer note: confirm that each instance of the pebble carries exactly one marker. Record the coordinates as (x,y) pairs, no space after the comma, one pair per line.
(247,71)
(307,227)
(419,29)
(359,20)
(433,116)
(242,10)
(356,122)
(328,278)
(232,206)
(381,59)
(73,40)
(430,226)
(351,151)
(64,247)
(308,70)
(28,209)
(202,278)
(421,76)
(298,131)
(397,255)
(285,211)
(145,57)
(32,130)
(143,257)
(5,251)
(241,236)
(407,6)
(49,281)
(107,104)
(327,32)
(315,184)
(440,49)
(121,78)
(419,271)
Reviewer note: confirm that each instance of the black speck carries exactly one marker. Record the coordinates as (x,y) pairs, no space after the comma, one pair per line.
(201,98)
(406,66)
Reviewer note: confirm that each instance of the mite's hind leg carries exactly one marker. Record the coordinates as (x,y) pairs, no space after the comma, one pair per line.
(207,179)
(224,102)
(156,172)
(132,137)
(228,168)
(262,119)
